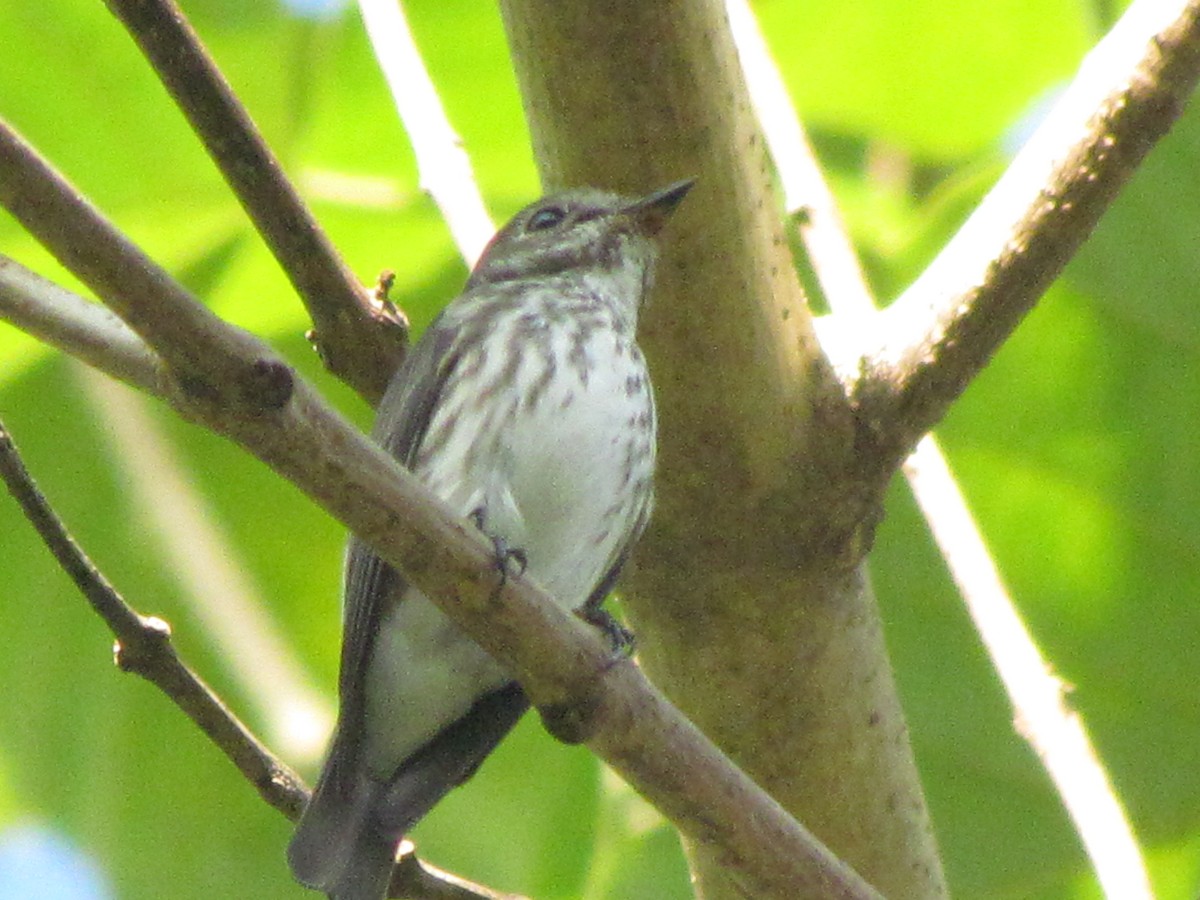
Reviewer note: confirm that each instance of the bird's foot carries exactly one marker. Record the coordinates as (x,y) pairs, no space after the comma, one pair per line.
(620,638)
(511,562)
(575,722)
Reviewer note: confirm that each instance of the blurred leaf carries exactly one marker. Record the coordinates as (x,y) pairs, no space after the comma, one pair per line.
(938,79)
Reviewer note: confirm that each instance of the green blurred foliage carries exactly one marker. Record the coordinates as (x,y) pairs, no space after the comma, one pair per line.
(1076,447)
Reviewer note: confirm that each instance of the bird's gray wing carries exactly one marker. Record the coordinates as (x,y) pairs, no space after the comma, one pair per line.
(346,839)
(403,419)
(336,846)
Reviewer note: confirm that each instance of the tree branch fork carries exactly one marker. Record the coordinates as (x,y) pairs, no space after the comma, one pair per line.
(910,361)
(229,381)
(164,342)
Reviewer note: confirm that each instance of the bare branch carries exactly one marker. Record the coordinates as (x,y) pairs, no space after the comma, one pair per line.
(130,283)
(806,196)
(210,570)
(360,339)
(1054,731)
(144,646)
(76,326)
(1043,715)
(231,382)
(443,165)
(942,331)
(414,879)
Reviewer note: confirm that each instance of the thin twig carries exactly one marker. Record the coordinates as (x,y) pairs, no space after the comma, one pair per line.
(442,164)
(235,385)
(1043,715)
(144,647)
(210,570)
(806,196)
(942,331)
(86,330)
(361,340)
(1055,731)
(415,879)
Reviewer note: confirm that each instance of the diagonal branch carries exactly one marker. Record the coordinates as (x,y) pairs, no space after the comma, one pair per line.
(360,338)
(936,337)
(209,568)
(1038,698)
(99,338)
(144,647)
(232,383)
(442,163)
(1042,710)
(807,199)
(85,330)
(209,357)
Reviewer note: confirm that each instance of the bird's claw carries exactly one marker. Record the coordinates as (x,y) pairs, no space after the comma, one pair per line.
(511,562)
(619,637)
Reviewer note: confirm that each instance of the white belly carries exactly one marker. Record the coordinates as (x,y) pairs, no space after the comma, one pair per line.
(554,481)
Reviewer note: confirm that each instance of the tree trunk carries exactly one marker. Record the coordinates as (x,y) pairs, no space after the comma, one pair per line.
(749,594)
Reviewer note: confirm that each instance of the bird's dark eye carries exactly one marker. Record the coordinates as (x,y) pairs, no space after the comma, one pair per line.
(545,218)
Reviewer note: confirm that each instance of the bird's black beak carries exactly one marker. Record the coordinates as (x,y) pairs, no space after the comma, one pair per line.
(653,210)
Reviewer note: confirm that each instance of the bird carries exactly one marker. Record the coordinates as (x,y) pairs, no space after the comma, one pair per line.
(527,406)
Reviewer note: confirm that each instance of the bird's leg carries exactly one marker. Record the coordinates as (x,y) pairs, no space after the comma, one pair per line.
(593,612)
(511,562)
(573,723)
(619,637)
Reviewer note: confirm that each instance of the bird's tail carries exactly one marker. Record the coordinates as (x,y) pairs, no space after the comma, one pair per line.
(336,847)
(346,841)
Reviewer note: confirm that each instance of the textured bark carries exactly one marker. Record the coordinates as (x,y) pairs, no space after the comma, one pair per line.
(748,595)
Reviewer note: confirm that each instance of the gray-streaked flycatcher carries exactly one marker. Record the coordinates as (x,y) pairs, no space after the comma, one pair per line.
(526,404)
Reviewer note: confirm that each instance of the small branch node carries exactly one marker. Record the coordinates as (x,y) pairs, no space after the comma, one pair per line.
(142,651)
(270,385)
(383,287)
(570,723)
